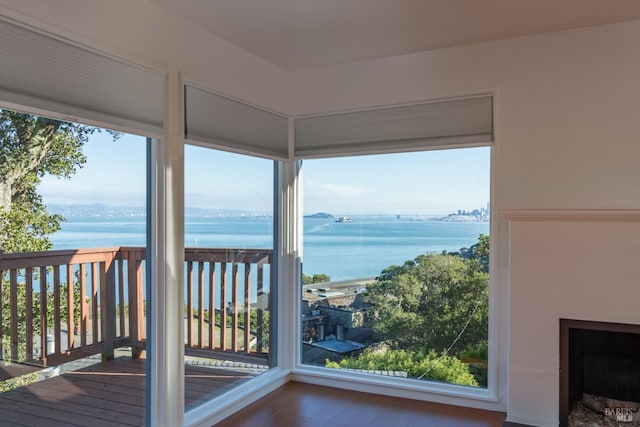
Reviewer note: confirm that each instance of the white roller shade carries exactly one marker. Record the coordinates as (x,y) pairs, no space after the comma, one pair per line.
(229,124)
(46,73)
(443,124)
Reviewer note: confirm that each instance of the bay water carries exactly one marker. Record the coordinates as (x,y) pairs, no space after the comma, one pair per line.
(343,250)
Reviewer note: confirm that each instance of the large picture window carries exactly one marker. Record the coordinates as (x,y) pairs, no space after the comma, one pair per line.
(396,264)
(73,233)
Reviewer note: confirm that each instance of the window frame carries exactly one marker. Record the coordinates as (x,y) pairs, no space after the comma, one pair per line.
(494,396)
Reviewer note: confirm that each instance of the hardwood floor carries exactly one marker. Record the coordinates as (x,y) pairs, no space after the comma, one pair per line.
(306,405)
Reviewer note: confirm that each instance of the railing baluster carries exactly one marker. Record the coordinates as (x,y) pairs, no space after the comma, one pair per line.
(56,308)
(212,304)
(200,304)
(259,309)
(71,322)
(120,266)
(247,307)
(189,304)
(223,303)
(132,287)
(94,303)
(13,283)
(83,306)
(108,305)
(234,309)
(43,314)
(28,302)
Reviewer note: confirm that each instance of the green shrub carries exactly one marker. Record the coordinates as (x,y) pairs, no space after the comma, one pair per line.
(417,364)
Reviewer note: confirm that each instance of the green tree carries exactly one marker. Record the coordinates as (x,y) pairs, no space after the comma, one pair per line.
(316,278)
(478,251)
(30,147)
(416,364)
(434,302)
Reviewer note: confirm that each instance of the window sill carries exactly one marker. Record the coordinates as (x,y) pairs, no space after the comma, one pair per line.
(409,389)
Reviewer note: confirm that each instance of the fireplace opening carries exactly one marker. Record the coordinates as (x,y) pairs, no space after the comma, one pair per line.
(599,373)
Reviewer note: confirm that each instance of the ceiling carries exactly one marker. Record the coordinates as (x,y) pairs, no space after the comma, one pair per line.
(302,34)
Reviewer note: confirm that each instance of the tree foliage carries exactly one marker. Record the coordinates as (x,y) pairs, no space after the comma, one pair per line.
(434,302)
(316,278)
(432,315)
(478,251)
(31,147)
(417,364)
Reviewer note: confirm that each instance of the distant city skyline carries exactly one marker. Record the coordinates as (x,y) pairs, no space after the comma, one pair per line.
(418,183)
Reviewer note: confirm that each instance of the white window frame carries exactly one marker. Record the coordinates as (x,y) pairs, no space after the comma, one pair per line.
(491,398)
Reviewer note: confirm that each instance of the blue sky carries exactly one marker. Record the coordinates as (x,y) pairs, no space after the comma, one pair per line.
(423,183)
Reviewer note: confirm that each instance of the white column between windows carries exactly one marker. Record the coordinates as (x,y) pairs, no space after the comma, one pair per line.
(166,307)
(289,249)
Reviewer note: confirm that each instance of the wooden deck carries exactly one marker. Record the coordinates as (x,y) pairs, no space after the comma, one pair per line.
(107,394)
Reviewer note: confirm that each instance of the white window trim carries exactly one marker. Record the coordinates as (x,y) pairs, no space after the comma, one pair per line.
(491,398)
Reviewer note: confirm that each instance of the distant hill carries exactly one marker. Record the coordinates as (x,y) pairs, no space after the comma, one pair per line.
(103,210)
(322,215)
(95,210)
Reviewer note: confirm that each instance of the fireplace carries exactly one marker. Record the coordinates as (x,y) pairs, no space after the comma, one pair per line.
(598,358)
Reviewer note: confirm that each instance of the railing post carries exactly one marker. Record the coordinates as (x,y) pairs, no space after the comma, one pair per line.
(57,330)
(200,304)
(107,305)
(136,302)
(43,315)
(189,307)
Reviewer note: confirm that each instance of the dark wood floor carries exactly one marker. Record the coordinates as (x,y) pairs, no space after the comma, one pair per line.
(104,394)
(306,405)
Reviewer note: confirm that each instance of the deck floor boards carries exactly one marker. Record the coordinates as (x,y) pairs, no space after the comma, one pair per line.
(105,394)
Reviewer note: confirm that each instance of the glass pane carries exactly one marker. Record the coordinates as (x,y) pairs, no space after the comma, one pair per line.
(228,275)
(72,255)
(396,265)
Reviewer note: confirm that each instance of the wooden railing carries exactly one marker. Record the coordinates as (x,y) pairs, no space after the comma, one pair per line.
(62,305)
(228,324)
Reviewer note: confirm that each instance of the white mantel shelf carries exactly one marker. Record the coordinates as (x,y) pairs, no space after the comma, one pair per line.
(589,215)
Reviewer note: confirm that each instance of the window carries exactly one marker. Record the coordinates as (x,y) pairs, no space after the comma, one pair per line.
(396,264)
(72,270)
(229,257)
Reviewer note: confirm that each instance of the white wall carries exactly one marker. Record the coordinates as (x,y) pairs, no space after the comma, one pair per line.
(568,129)
(140,31)
(563,269)
(568,137)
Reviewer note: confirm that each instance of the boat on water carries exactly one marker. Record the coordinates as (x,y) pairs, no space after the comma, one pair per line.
(344,219)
